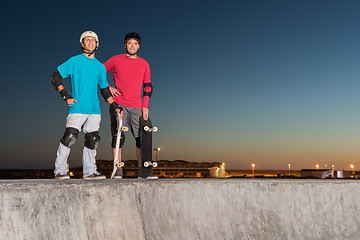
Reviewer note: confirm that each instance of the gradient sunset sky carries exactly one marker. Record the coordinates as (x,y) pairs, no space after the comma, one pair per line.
(269,82)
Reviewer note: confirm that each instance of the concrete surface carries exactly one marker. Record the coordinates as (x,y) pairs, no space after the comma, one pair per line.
(180,209)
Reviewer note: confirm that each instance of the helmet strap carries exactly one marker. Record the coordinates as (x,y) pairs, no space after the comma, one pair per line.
(131,54)
(89,53)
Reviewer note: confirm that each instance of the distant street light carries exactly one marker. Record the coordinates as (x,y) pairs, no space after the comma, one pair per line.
(222,170)
(352,168)
(289,168)
(317,166)
(253,169)
(156,151)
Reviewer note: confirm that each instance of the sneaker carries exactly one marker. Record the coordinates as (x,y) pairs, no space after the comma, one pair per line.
(118,174)
(150,177)
(94,176)
(62,176)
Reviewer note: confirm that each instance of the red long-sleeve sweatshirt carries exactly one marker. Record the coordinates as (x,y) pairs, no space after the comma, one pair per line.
(129,76)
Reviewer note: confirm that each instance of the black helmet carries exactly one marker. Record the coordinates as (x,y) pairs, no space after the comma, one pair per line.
(132,36)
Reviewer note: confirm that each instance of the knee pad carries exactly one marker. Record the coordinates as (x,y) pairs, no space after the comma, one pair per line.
(92,140)
(122,140)
(70,137)
(138,142)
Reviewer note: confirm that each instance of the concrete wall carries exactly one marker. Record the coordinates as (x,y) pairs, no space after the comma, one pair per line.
(180,209)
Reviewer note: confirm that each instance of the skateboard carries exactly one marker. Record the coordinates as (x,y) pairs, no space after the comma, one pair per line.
(147,163)
(121,128)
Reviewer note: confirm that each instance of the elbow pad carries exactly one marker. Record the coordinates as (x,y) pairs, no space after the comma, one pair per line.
(105,92)
(148,92)
(56,79)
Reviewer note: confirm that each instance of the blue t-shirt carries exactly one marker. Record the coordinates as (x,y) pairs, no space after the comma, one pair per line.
(86,75)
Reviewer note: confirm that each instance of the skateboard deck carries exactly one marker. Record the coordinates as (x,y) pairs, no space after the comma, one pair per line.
(147,163)
(121,128)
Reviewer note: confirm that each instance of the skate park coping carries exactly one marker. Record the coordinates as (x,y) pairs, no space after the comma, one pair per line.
(180,209)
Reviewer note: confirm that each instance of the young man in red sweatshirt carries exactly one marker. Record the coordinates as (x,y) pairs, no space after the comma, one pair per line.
(131,77)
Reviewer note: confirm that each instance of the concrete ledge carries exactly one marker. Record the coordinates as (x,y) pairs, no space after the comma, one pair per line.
(180,209)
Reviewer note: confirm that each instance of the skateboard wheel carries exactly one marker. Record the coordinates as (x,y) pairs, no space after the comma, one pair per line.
(146,164)
(155,129)
(120,164)
(146,128)
(154,164)
(125,129)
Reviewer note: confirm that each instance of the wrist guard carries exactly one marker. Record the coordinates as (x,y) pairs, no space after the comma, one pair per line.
(65,95)
(115,106)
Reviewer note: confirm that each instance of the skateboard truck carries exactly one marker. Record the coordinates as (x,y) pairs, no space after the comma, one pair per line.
(148,164)
(148,129)
(120,164)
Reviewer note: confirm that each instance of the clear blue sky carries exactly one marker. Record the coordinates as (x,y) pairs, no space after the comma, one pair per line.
(269,82)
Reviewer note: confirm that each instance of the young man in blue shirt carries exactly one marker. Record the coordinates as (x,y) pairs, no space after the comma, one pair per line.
(87,75)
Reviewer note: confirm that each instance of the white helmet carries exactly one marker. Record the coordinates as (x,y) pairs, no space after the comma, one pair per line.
(90,34)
